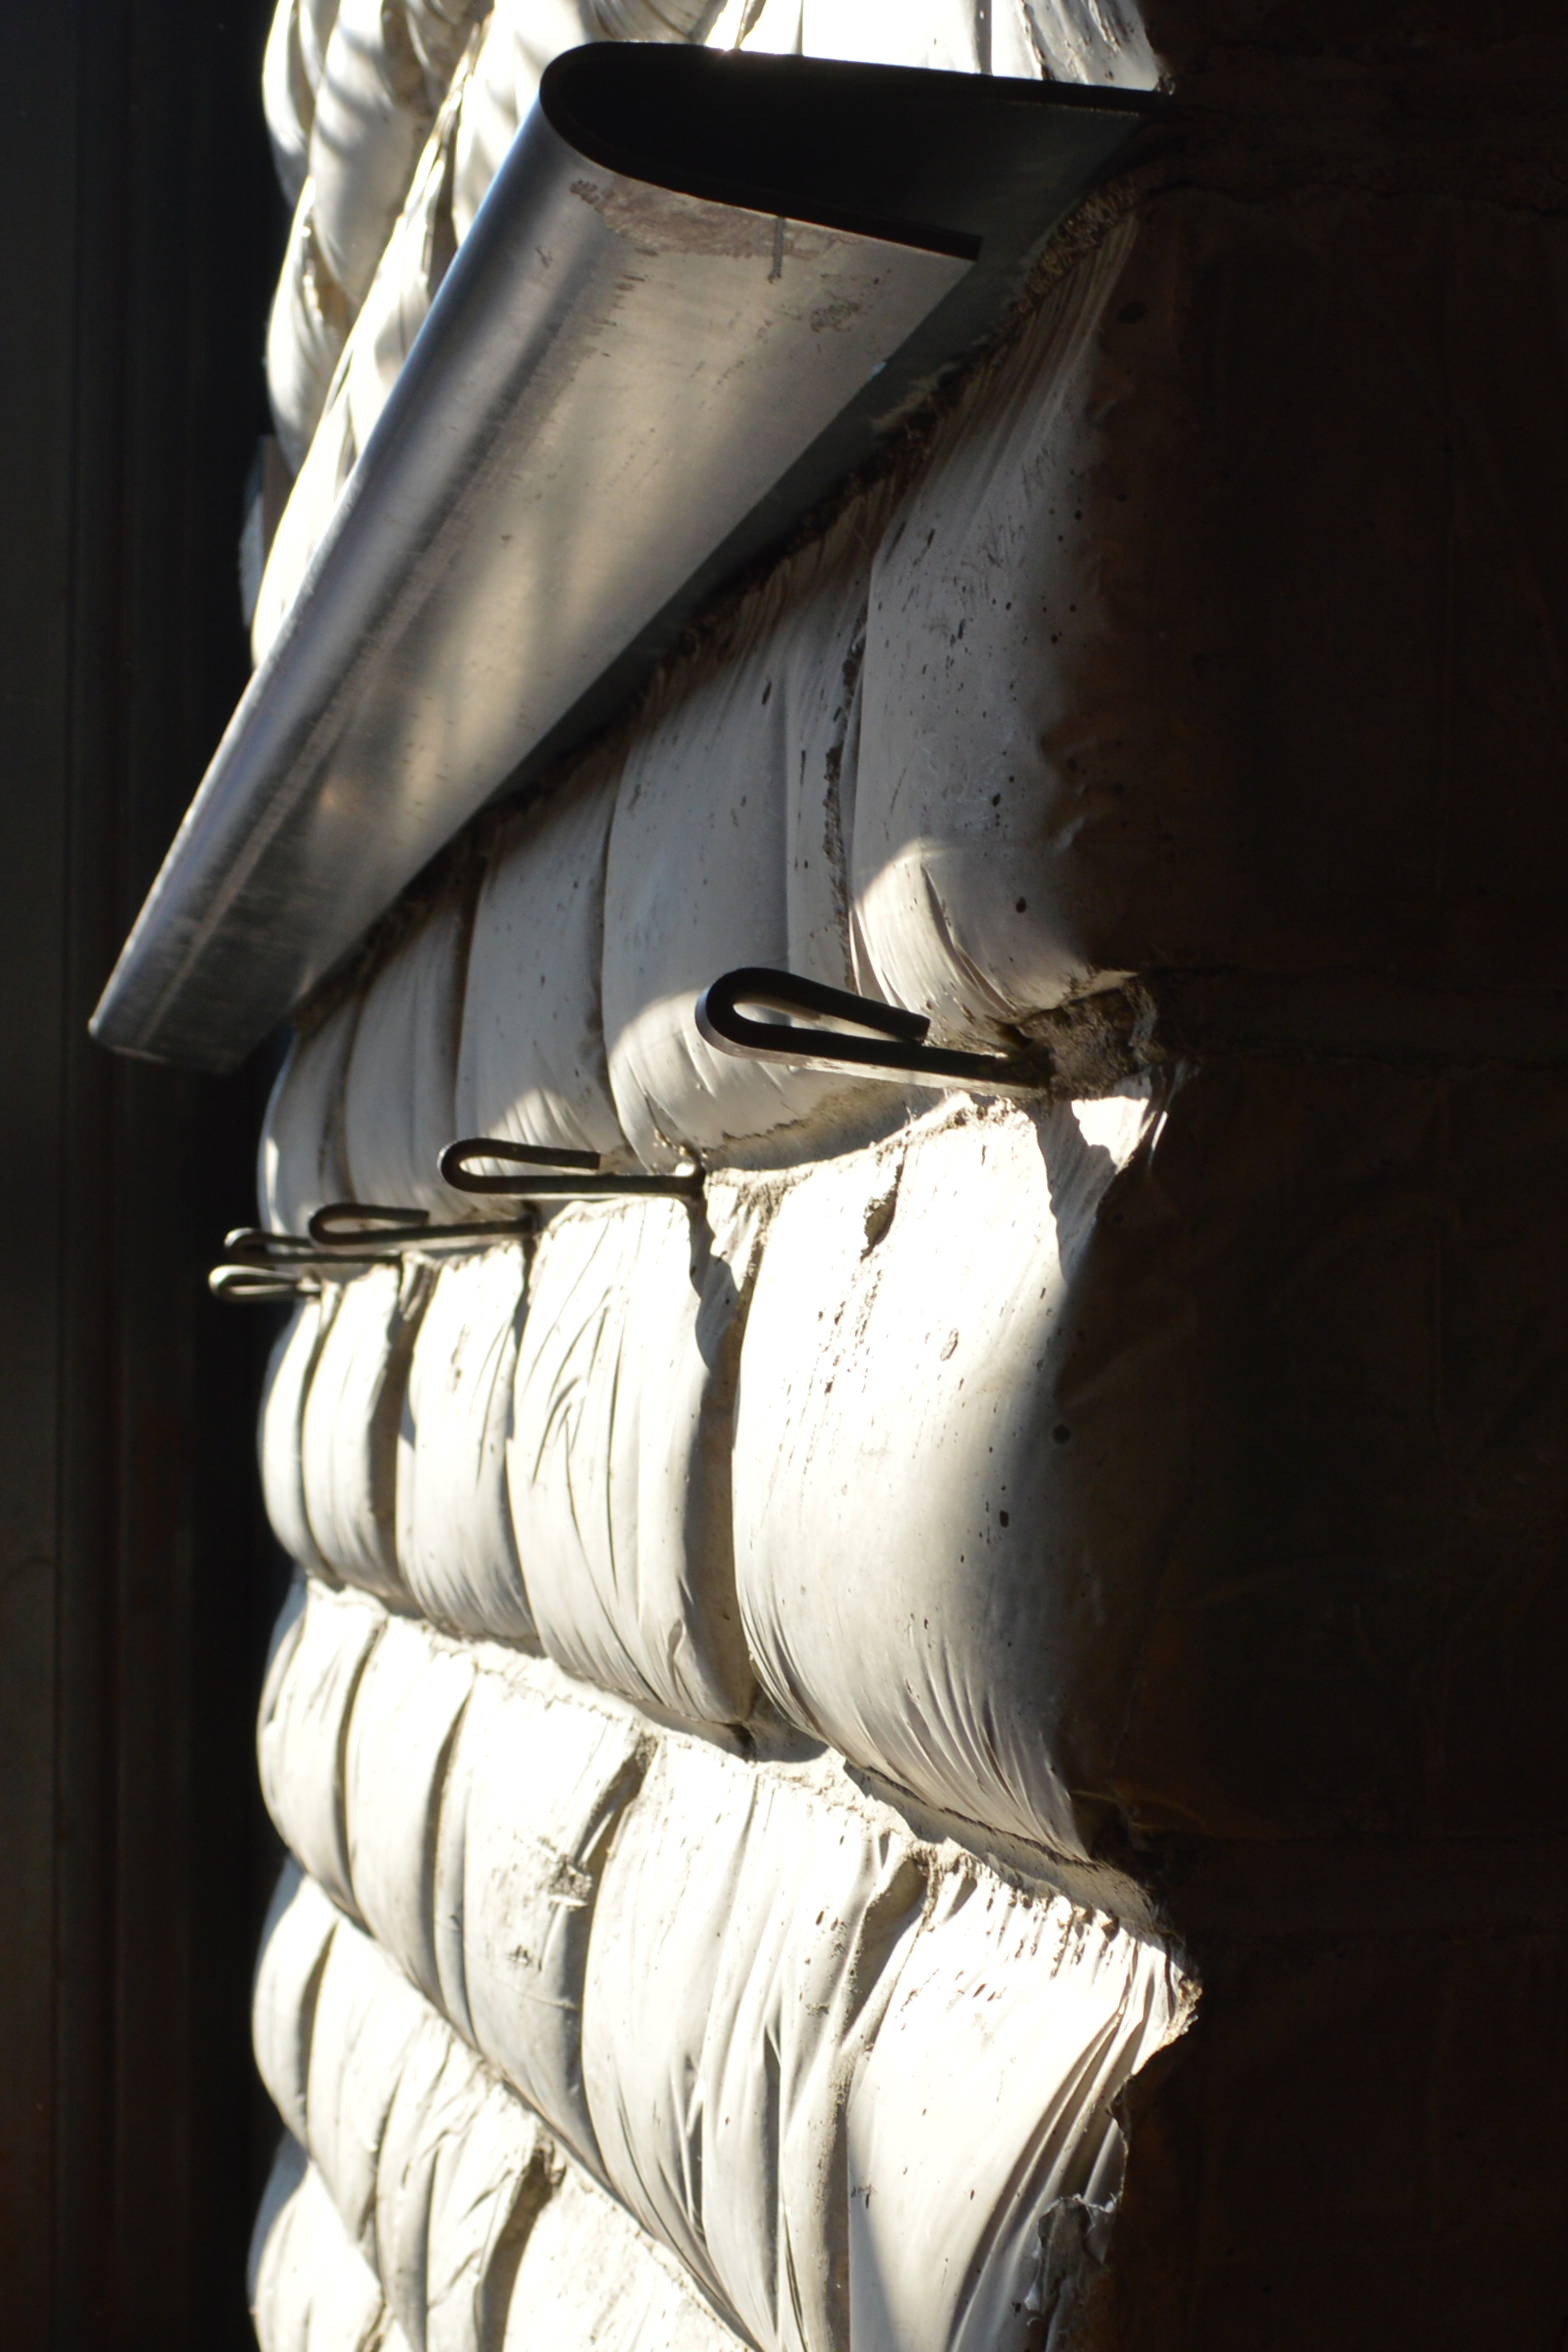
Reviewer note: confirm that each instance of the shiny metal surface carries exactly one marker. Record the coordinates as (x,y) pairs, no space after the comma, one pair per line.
(623,391)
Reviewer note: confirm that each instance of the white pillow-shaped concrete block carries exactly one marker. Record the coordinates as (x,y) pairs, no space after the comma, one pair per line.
(618,1465)
(456,1551)
(531,1065)
(374,111)
(314,2290)
(306,330)
(302,1731)
(537,1787)
(968,807)
(300,1922)
(986,2102)
(352,1422)
(290,75)
(906,1537)
(397,1749)
(400,1089)
(746,1938)
(460,2173)
(288,2171)
(368,2020)
(589,2277)
(727,848)
(300,1163)
(289,1370)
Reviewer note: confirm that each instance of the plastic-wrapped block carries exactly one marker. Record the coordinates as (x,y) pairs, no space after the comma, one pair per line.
(289,1370)
(304,1731)
(306,332)
(300,1163)
(460,2174)
(291,76)
(400,1087)
(407,1708)
(986,2104)
(531,1065)
(1268,1377)
(300,1926)
(367,2021)
(1118,716)
(746,1939)
(727,848)
(618,1465)
(313,2291)
(907,1551)
(537,1786)
(407,276)
(376,103)
(349,1433)
(589,2277)
(1065,40)
(456,1552)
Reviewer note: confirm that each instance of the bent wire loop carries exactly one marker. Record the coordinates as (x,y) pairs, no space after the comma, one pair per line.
(346,1233)
(886,1041)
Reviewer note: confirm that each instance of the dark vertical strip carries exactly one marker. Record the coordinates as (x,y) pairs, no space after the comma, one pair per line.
(136,1583)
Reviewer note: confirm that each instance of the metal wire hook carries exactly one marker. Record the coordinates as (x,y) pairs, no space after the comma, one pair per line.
(246,1285)
(376,1230)
(894,1048)
(594,1183)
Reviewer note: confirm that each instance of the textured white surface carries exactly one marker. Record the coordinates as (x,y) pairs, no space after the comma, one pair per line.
(589,2277)
(968,803)
(351,1424)
(398,1728)
(291,76)
(455,1547)
(300,1927)
(300,1738)
(400,1086)
(289,1370)
(619,1459)
(727,848)
(300,1161)
(314,2292)
(903,1480)
(536,1790)
(531,1064)
(985,2100)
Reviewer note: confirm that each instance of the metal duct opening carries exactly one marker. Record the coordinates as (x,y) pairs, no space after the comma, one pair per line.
(700,290)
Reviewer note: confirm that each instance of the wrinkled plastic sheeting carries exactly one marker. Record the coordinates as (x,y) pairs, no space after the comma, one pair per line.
(406,280)
(396,1737)
(531,1065)
(619,1460)
(727,848)
(905,1536)
(589,2277)
(352,1422)
(306,330)
(986,2102)
(463,1815)
(374,107)
(290,76)
(300,1922)
(300,1163)
(300,1738)
(739,1962)
(460,2173)
(400,1087)
(313,2291)
(536,1791)
(456,1552)
(1065,40)
(289,1370)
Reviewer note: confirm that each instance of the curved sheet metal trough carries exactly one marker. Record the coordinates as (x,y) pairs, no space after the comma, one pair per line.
(701,290)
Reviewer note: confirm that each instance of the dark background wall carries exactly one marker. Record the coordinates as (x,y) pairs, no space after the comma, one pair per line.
(136,1583)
